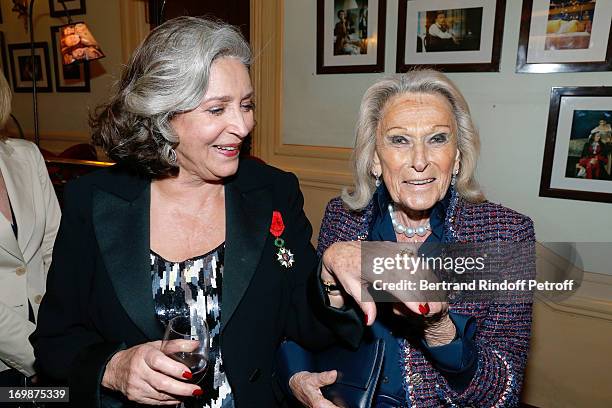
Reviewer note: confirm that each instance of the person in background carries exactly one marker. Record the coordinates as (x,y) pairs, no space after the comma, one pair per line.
(342,31)
(604,129)
(28,225)
(441,36)
(594,158)
(415,155)
(363,29)
(440,28)
(181,225)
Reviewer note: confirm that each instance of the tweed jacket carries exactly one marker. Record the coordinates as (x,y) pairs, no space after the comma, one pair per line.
(503,330)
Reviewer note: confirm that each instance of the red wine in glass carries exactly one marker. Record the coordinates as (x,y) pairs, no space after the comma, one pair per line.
(196,362)
(187,340)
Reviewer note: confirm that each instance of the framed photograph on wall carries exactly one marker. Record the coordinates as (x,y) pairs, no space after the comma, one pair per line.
(350,36)
(565,36)
(73,7)
(450,35)
(68,78)
(578,153)
(22,67)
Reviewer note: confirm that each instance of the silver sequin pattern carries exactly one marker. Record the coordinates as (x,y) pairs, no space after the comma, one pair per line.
(192,286)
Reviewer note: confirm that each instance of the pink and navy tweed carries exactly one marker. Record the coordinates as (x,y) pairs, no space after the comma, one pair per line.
(503,330)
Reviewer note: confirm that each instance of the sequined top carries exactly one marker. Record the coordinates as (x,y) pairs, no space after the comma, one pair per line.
(190,286)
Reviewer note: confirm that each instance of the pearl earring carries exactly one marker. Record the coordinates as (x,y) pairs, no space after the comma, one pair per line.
(377,182)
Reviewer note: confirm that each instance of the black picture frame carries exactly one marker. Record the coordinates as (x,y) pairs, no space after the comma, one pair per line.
(74,7)
(401,65)
(74,77)
(326,43)
(553,138)
(3,58)
(155,12)
(523,66)
(19,55)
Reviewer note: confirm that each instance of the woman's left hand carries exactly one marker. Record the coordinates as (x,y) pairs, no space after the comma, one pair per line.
(441,332)
(145,375)
(425,309)
(306,387)
(438,333)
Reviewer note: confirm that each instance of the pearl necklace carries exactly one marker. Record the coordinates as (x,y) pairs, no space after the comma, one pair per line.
(409,232)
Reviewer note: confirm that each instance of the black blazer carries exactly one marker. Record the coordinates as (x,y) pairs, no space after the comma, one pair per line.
(99,297)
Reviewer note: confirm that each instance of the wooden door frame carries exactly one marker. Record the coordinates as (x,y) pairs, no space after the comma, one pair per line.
(318,166)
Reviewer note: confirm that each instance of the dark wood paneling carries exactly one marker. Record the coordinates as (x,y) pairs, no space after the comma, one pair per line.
(235,12)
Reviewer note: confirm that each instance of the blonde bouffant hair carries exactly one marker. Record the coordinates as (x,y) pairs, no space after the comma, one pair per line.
(371,113)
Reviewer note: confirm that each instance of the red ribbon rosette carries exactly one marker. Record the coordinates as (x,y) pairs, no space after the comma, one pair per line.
(278,226)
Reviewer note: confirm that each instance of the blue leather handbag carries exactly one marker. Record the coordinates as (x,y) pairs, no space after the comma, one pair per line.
(358,371)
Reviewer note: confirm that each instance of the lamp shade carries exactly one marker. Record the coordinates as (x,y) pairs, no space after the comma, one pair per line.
(77,44)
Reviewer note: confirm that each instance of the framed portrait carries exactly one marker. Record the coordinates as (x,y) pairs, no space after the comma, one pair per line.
(450,35)
(3,60)
(73,7)
(24,70)
(578,153)
(350,36)
(68,78)
(565,36)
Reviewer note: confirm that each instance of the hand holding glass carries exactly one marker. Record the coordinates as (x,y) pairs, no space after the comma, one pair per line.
(187,341)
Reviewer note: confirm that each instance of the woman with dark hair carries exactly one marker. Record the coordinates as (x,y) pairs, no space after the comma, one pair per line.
(180,225)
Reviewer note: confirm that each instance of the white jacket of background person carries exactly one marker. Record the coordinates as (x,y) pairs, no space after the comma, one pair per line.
(436,31)
(24,262)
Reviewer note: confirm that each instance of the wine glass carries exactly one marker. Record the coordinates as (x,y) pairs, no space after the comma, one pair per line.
(187,340)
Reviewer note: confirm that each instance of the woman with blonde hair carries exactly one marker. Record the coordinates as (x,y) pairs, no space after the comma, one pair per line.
(415,157)
(28,225)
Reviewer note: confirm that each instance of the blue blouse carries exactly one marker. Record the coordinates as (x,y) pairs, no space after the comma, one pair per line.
(456,360)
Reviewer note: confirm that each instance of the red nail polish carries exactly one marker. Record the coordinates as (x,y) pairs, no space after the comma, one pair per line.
(187,375)
(198,392)
(424,309)
(366,319)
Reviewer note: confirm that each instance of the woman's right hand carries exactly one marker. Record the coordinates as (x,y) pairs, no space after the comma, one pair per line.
(146,375)
(342,265)
(306,387)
